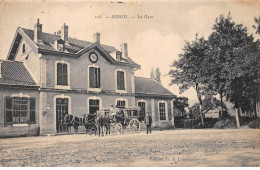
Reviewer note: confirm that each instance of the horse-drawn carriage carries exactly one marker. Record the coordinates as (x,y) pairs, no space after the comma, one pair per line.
(123,118)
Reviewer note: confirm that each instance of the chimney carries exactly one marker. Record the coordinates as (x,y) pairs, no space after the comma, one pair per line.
(124,50)
(96,37)
(1,69)
(64,32)
(38,31)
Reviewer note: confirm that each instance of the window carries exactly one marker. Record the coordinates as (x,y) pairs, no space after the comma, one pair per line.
(120,103)
(93,106)
(118,56)
(94,77)
(62,108)
(60,46)
(23,48)
(120,80)
(142,111)
(62,74)
(162,111)
(19,110)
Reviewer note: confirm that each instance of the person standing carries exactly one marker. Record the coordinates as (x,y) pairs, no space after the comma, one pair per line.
(148,123)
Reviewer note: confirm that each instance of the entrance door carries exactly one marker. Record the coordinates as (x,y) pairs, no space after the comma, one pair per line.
(61,110)
(142,111)
(93,106)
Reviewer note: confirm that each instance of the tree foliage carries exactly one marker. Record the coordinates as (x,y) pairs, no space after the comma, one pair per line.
(181,103)
(226,64)
(232,62)
(188,71)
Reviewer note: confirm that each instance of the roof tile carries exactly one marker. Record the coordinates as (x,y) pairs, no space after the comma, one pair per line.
(15,73)
(150,86)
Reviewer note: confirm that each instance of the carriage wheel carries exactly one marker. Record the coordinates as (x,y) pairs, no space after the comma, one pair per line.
(118,128)
(134,125)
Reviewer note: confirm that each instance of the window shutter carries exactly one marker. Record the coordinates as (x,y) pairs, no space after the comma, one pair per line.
(59,74)
(8,110)
(98,77)
(65,74)
(91,77)
(32,110)
(120,80)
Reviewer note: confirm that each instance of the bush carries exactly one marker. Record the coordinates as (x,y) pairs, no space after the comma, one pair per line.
(226,123)
(210,122)
(255,124)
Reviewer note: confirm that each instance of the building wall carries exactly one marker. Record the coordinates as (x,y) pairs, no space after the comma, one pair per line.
(152,108)
(30,59)
(79,68)
(78,106)
(18,129)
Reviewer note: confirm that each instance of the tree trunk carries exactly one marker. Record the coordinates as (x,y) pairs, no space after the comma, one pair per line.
(201,115)
(257,110)
(200,101)
(237,119)
(221,104)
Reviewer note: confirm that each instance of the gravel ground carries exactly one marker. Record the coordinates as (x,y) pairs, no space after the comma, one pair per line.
(161,148)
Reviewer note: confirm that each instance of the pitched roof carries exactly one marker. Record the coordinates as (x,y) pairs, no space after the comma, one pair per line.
(73,45)
(148,86)
(15,73)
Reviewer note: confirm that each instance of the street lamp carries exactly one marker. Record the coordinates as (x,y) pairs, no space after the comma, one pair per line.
(48,107)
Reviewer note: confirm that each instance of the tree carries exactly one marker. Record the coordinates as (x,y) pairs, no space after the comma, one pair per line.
(180,103)
(189,70)
(232,64)
(257,26)
(157,75)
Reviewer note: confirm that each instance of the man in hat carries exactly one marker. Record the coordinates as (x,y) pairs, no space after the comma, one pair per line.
(148,123)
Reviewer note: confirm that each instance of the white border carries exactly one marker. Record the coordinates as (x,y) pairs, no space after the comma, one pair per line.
(20,95)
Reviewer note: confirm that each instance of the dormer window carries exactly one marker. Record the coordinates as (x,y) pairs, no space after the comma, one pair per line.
(118,56)
(60,47)
(23,50)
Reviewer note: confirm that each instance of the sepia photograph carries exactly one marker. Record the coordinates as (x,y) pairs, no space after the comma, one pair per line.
(130,83)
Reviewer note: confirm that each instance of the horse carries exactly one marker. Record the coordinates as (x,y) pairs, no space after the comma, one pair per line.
(102,122)
(89,122)
(71,120)
(106,124)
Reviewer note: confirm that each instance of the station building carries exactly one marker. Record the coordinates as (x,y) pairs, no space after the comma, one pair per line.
(47,75)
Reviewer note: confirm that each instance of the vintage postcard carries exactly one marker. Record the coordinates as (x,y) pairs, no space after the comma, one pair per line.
(130,83)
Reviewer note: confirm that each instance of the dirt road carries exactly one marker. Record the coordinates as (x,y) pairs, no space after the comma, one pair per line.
(161,148)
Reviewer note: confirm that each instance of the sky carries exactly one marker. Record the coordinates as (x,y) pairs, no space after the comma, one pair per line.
(153,42)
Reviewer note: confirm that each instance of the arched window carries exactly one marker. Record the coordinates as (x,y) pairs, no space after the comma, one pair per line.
(121,103)
(163,110)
